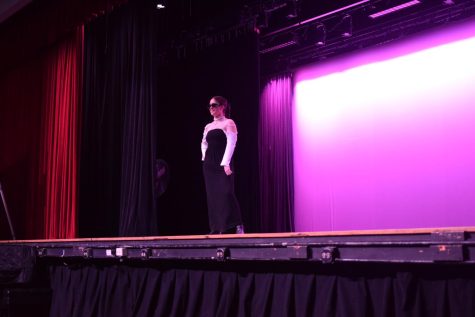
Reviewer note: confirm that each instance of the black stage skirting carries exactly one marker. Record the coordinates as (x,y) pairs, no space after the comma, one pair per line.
(427,272)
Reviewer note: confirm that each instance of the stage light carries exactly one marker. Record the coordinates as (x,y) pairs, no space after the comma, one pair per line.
(394,9)
(315,35)
(162,4)
(347,25)
(321,34)
(293,9)
(319,17)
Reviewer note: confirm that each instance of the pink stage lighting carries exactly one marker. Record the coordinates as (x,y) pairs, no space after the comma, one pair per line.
(386,138)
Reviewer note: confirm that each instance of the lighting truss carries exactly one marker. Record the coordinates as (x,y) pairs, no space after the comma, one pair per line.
(394,9)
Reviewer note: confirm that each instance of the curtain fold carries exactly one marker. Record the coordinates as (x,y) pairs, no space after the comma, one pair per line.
(119,124)
(40,70)
(39,138)
(20,122)
(275,156)
(138,212)
(260,289)
(59,137)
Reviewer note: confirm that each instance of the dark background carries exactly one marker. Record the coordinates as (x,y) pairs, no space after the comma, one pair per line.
(229,70)
(124,77)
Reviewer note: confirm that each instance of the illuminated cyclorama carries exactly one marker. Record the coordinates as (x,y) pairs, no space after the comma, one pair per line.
(384,138)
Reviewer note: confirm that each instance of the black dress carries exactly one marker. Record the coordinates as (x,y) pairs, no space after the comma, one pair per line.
(223,207)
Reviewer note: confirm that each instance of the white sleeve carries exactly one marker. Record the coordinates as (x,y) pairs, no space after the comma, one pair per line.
(204,145)
(231,140)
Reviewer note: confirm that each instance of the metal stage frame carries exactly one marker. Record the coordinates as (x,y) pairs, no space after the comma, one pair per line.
(431,245)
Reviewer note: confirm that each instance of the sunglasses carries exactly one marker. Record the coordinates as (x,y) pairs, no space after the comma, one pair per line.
(213,105)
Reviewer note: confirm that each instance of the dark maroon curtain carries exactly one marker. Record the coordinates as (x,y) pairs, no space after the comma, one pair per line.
(20,112)
(275,155)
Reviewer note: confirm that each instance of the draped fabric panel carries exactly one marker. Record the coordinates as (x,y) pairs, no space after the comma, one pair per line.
(262,289)
(59,141)
(138,214)
(119,125)
(41,24)
(136,112)
(35,63)
(20,115)
(38,170)
(275,155)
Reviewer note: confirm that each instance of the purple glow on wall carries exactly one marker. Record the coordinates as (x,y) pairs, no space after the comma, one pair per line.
(386,138)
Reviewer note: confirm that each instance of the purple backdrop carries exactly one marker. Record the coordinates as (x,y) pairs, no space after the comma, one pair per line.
(386,138)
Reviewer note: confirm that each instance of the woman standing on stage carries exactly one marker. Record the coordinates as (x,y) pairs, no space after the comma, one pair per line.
(217,148)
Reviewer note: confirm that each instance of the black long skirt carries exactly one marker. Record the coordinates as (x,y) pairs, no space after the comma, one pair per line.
(223,208)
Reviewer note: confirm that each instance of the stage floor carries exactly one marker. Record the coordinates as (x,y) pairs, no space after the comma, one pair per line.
(426,245)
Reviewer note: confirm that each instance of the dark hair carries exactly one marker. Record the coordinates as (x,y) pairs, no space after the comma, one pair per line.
(224,102)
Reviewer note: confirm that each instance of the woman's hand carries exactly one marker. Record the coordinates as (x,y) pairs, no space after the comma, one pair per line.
(227,170)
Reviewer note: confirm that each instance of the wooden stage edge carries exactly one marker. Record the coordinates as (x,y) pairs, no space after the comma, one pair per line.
(422,245)
(258,235)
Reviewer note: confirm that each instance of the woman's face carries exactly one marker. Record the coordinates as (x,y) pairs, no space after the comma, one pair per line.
(215,109)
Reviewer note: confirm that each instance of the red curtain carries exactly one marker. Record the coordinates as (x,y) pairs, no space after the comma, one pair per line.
(39,129)
(40,88)
(59,137)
